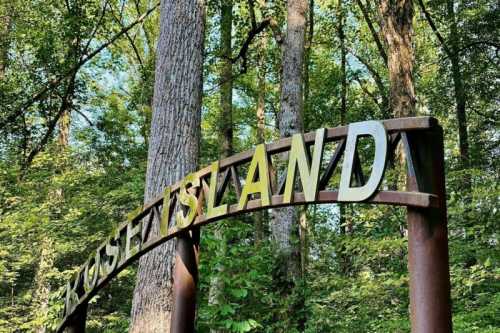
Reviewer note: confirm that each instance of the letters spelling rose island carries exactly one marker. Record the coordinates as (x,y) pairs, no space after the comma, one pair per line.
(193,202)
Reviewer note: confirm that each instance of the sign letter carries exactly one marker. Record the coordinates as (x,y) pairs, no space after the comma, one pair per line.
(188,200)
(308,174)
(260,163)
(112,254)
(222,209)
(378,132)
(90,283)
(165,212)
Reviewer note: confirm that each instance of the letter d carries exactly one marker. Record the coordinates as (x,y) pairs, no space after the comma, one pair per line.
(378,132)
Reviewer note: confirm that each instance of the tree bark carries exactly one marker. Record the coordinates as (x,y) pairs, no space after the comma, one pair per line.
(343,62)
(42,283)
(460,97)
(397,28)
(303,222)
(343,93)
(285,226)
(173,147)
(226,78)
(64,125)
(226,132)
(261,125)
(307,56)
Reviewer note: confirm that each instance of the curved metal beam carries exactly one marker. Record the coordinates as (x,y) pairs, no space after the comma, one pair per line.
(138,228)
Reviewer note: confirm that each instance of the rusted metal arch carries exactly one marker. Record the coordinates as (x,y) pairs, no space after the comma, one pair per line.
(425,199)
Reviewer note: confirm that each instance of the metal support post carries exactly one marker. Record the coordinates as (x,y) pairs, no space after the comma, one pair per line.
(77,321)
(430,304)
(185,282)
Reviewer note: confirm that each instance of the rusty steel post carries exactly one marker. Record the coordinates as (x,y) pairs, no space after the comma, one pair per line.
(430,304)
(77,322)
(185,282)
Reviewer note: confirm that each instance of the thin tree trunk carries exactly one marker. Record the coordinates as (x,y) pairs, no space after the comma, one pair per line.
(173,147)
(261,125)
(74,54)
(304,241)
(226,131)
(64,124)
(42,283)
(397,28)
(343,95)
(452,49)
(375,35)
(303,222)
(307,56)
(460,97)
(226,77)
(343,62)
(284,226)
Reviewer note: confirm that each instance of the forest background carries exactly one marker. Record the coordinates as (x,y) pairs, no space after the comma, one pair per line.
(76,98)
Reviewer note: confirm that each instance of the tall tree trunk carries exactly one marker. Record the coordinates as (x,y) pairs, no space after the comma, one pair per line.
(47,255)
(452,49)
(64,125)
(343,96)
(284,226)
(173,147)
(42,283)
(226,131)
(226,78)
(261,125)
(303,222)
(397,28)
(460,97)
(307,56)
(343,62)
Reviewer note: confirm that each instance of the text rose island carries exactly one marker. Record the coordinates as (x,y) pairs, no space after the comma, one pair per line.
(197,199)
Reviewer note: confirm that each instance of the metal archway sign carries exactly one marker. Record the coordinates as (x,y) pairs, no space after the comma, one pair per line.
(201,198)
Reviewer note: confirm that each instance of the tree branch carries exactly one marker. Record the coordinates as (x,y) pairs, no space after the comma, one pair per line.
(130,40)
(85,117)
(378,81)
(51,85)
(251,9)
(365,90)
(65,105)
(251,35)
(94,31)
(434,28)
(374,34)
(494,44)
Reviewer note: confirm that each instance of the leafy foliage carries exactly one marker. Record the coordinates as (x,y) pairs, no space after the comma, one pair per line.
(56,211)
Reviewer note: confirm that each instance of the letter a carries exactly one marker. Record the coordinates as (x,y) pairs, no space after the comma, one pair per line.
(308,173)
(259,163)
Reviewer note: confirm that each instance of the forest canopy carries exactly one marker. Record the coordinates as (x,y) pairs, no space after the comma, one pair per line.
(103,103)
